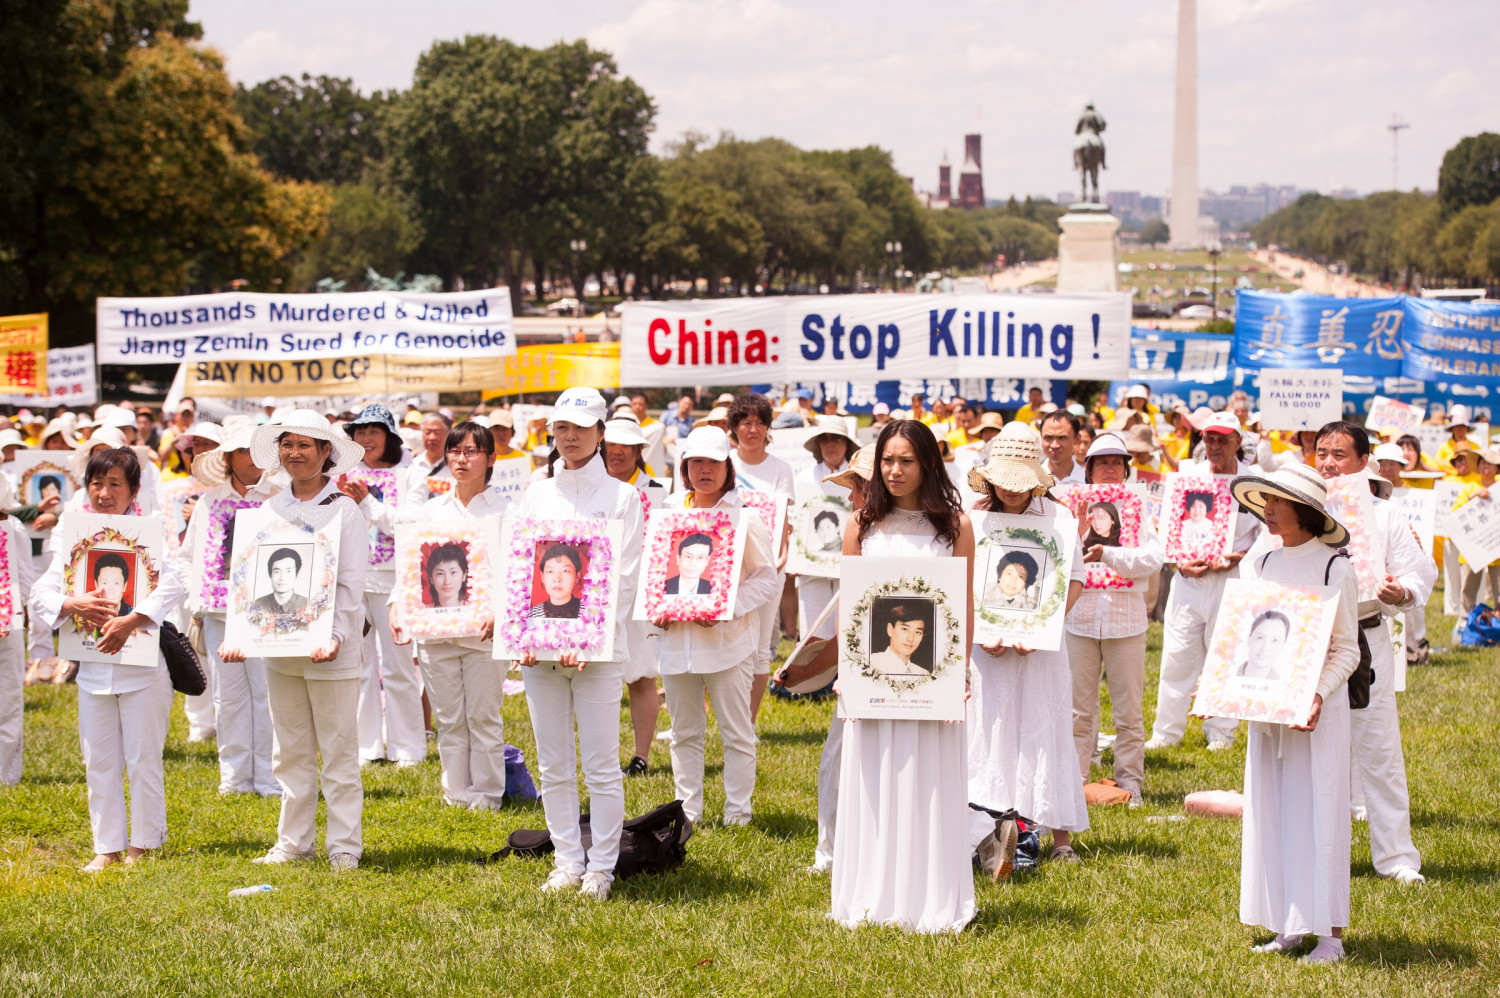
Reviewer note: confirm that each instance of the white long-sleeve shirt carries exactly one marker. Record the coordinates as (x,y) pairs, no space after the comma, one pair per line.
(1404,559)
(383,516)
(684,646)
(591,494)
(414,491)
(1118,613)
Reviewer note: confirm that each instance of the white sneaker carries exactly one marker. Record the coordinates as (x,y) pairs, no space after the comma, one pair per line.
(278,855)
(341,861)
(561,880)
(1360,813)
(821,866)
(595,886)
(406,763)
(1159,743)
(1406,875)
(1220,745)
(1135,798)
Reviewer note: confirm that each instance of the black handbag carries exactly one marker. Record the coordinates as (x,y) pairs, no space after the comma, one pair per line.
(182,662)
(1363,676)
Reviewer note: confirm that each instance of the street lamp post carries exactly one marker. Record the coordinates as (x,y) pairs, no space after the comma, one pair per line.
(1215,250)
(893,249)
(579,247)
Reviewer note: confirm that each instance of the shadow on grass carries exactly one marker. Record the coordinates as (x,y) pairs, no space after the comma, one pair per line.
(794,737)
(784,825)
(424,857)
(1106,844)
(690,882)
(1400,952)
(998,910)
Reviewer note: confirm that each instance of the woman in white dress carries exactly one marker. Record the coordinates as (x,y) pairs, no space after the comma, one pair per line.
(1021,706)
(1294,860)
(901,850)
(464,682)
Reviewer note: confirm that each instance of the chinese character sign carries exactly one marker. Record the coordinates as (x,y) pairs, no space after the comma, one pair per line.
(23,354)
(1300,399)
(1360,336)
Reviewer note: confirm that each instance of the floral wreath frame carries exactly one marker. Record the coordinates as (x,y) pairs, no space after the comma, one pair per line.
(798,542)
(418,618)
(1218,485)
(7,607)
(45,468)
(214,591)
(321,594)
(1342,505)
(516,630)
(113,540)
(1252,598)
(763,503)
(1057,588)
(382,544)
(1132,511)
(717,524)
(943,660)
(438,487)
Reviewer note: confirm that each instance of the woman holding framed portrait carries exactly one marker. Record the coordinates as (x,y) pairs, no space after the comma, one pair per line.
(1106,634)
(901,844)
(715,657)
(570,694)
(1020,710)
(1297,776)
(241,708)
(315,700)
(464,683)
(122,709)
(20,576)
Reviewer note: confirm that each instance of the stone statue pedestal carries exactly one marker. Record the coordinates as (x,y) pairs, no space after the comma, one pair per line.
(1088,254)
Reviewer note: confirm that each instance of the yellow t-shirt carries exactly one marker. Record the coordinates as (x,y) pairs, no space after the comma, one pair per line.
(1445,453)
(510,454)
(1178,447)
(1025,415)
(1416,483)
(537,439)
(960,438)
(927,418)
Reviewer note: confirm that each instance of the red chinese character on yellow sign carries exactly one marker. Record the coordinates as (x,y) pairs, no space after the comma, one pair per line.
(23,345)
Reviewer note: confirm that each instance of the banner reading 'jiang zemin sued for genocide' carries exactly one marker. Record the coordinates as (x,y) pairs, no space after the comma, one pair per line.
(249,326)
(874,338)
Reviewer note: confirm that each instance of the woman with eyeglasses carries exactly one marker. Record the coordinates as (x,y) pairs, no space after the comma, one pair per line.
(464,682)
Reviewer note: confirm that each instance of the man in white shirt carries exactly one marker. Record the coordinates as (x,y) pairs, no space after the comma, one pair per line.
(430,463)
(1059,434)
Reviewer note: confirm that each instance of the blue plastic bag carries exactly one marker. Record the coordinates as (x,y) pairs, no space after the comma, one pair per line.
(518,785)
(1481,628)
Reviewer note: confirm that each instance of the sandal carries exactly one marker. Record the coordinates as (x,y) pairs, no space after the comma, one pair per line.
(1064,854)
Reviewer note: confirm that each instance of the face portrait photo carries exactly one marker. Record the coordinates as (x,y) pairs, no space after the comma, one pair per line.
(1015,578)
(1197,522)
(283,578)
(1103,523)
(826,535)
(112,574)
(557,578)
(446,576)
(1265,647)
(901,636)
(688,566)
(49,487)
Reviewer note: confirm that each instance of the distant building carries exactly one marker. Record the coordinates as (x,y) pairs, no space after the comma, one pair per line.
(945,174)
(971,179)
(1066,197)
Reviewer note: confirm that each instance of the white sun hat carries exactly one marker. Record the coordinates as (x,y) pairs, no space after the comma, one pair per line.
(212,468)
(706,441)
(1294,482)
(105,436)
(304,422)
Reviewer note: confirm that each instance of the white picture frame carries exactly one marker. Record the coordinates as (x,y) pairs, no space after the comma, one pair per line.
(813,550)
(666,533)
(283,578)
(112,553)
(521,549)
(1007,545)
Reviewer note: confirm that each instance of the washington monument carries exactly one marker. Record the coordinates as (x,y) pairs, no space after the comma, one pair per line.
(1184,218)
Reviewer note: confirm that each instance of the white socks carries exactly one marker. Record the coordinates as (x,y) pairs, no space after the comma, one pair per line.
(1278,945)
(1329,950)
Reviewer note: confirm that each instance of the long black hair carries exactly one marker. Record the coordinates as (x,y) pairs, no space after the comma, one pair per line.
(939,497)
(449,552)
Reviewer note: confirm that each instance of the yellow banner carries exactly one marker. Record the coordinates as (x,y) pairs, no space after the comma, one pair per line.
(23,349)
(554,368)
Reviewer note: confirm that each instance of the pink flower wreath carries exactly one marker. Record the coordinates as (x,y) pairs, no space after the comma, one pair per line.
(670,527)
(515,628)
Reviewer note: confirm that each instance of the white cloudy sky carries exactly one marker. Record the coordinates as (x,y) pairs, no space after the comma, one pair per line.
(1290,91)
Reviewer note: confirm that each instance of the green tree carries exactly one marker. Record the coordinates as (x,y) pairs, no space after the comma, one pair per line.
(367,228)
(1470,174)
(320,129)
(1155,232)
(706,232)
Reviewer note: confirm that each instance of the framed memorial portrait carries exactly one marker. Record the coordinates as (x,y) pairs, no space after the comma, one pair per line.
(178,502)
(1109,515)
(218,550)
(384,487)
(817,544)
(1198,517)
(558,588)
(445,579)
(41,475)
(1021,573)
(690,568)
(901,637)
(282,578)
(119,557)
(772,509)
(1349,502)
(1151,486)
(438,487)
(1267,651)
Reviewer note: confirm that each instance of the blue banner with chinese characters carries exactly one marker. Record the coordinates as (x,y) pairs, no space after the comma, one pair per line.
(1359,336)
(1458,342)
(1192,368)
(990,394)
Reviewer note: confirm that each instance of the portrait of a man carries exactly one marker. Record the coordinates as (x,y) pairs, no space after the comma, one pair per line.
(694,552)
(283,568)
(111,578)
(827,535)
(901,636)
(1265,647)
(556,574)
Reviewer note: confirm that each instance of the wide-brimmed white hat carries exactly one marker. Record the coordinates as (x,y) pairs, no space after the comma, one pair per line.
(1458,415)
(1380,486)
(11,438)
(55,427)
(718,414)
(1293,482)
(1014,464)
(1138,392)
(203,430)
(304,422)
(706,441)
(213,468)
(1390,452)
(861,466)
(830,426)
(626,432)
(105,436)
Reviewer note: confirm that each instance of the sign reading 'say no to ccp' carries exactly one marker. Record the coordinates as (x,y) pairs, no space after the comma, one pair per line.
(249,326)
(1300,400)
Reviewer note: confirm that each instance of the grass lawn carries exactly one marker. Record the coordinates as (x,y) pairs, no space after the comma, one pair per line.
(1152,910)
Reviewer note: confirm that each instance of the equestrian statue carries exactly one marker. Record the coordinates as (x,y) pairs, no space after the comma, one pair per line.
(1088,149)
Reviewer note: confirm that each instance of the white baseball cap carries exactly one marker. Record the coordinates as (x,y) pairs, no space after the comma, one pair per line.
(880,409)
(1390,452)
(1106,445)
(1220,422)
(706,441)
(579,406)
(620,402)
(624,431)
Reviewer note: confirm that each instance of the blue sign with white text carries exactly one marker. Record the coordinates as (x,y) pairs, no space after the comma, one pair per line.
(1359,336)
(1453,341)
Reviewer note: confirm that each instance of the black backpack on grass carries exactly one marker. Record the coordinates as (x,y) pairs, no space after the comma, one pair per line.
(653,843)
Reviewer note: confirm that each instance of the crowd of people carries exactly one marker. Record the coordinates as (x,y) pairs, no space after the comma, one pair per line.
(907,810)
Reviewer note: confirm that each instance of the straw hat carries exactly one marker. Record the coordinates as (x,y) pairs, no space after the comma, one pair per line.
(1140,440)
(213,468)
(718,414)
(55,427)
(1294,482)
(304,422)
(1014,464)
(1489,455)
(829,426)
(861,466)
(990,421)
(1380,486)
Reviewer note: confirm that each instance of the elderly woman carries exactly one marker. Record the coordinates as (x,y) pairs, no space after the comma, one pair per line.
(1020,749)
(1297,776)
(122,709)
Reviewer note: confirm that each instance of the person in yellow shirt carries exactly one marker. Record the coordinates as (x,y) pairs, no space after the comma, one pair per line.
(919,410)
(964,433)
(1458,432)
(503,430)
(1032,410)
(1460,469)
(1487,465)
(536,433)
(1414,471)
(1178,444)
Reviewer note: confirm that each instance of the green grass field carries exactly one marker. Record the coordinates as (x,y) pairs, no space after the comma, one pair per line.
(1151,911)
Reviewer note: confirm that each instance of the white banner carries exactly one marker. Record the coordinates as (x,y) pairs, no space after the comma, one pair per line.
(71,380)
(252,327)
(1300,399)
(868,338)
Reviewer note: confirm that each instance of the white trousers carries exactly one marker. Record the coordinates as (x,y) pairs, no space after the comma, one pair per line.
(309,717)
(1415,631)
(1375,751)
(123,734)
(1453,581)
(244,718)
(12,702)
(39,639)
(813,595)
(828,791)
(199,709)
(1187,626)
(467,690)
(766,618)
(730,692)
(557,699)
(390,726)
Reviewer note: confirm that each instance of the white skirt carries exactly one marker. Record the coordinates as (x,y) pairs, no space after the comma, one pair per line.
(1021,752)
(901,851)
(642,642)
